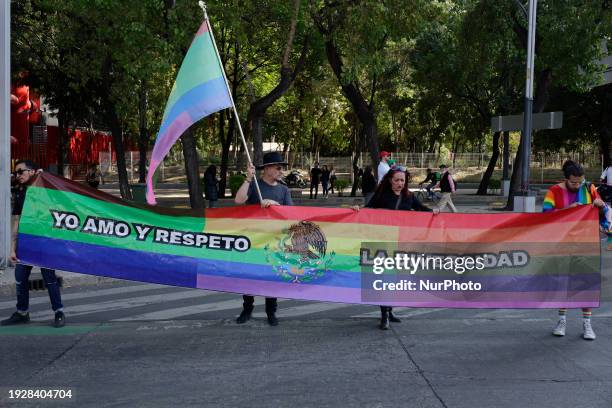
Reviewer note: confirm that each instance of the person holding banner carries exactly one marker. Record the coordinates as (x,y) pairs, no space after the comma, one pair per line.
(568,194)
(24,171)
(393,194)
(273,193)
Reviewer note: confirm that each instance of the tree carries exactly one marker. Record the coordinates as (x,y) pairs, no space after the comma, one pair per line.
(288,74)
(363,44)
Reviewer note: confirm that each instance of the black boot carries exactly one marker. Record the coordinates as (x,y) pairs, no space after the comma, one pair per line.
(392,317)
(384,318)
(272,319)
(245,316)
(271,306)
(247,309)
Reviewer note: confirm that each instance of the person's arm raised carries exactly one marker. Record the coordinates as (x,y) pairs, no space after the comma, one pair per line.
(242,195)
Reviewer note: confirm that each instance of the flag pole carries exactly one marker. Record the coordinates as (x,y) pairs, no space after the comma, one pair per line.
(246,147)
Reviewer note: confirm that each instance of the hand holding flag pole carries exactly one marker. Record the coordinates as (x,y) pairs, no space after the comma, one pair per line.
(200,89)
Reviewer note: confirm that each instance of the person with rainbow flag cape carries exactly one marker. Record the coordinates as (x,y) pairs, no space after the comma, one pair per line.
(572,192)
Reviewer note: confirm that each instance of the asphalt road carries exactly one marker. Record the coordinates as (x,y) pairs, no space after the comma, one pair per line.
(136,345)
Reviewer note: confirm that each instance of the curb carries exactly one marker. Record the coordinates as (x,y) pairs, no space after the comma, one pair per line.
(69,280)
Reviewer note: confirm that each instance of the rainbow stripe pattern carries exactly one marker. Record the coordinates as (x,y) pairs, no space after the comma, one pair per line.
(70,227)
(557,197)
(199,90)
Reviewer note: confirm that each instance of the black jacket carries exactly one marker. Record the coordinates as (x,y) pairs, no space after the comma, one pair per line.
(211,188)
(445,186)
(368,183)
(388,200)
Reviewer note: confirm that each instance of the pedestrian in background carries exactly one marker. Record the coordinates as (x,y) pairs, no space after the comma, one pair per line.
(325,175)
(93,176)
(383,165)
(368,185)
(211,186)
(332,178)
(315,178)
(447,187)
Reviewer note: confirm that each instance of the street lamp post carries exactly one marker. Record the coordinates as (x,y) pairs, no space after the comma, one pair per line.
(525,202)
(5,133)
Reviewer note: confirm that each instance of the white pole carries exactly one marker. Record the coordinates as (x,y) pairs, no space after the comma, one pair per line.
(5,134)
(246,147)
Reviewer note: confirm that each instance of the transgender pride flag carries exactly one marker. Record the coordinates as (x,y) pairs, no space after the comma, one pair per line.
(200,89)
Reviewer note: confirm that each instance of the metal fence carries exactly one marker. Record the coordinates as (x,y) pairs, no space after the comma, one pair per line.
(344,164)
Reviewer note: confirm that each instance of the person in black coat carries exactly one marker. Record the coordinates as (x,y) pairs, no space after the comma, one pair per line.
(325,174)
(393,194)
(211,187)
(368,184)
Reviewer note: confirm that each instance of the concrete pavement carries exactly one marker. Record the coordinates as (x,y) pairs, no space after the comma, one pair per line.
(448,358)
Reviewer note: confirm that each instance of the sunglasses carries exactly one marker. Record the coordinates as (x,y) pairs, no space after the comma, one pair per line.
(21,171)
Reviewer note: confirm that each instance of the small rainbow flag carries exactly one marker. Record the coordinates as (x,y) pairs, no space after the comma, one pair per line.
(200,89)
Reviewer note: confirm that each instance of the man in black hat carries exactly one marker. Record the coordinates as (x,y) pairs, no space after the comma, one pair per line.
(272,193)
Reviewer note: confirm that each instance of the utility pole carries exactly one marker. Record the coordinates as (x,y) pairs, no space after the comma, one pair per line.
(525,202)
(5,133)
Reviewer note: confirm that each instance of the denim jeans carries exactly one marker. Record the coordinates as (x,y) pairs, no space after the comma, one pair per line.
(22,275)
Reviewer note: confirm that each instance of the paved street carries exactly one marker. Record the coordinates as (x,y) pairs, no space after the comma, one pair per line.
(131,344)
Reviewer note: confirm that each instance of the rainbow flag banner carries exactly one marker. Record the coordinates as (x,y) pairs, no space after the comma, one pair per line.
(394,258)
(199,90)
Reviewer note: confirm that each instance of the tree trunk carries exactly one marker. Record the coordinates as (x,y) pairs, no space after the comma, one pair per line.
(62,123)
(484,183)
(364,110)
(542,88)
(355,167)
(605,143)
(143,138)
(258,108)
(226,140)
(603,95)
(192,169)
(225,146)
(124,186)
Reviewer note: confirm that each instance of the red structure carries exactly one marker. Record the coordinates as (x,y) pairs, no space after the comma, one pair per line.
(29,141)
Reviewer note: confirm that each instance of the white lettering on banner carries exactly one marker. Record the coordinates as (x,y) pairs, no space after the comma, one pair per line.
(121,229)
(142,231)
(106,226)
(65,220)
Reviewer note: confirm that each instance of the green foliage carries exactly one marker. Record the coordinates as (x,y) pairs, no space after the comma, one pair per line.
(235,181)
(494,184)
(434,72)
(341,185)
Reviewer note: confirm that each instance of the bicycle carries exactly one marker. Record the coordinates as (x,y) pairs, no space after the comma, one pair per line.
(423,195)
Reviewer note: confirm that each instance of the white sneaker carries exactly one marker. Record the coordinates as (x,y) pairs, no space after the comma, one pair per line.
(559,329)
(588,333)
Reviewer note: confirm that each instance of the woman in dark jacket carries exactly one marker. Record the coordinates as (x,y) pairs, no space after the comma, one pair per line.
(368,185)
(211,188)
(393,194)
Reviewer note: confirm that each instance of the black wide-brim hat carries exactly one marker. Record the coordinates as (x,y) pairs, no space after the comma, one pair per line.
(272,158)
